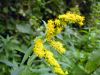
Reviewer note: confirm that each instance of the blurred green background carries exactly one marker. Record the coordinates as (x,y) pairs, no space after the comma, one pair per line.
(21,21)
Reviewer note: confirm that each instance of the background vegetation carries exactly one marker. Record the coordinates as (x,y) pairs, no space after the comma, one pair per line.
(21,21)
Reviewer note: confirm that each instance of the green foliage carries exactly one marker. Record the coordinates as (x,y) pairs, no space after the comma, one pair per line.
(21,21)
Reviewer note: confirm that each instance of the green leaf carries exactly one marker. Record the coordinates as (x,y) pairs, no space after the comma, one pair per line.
(8,63)
(93,61)
(41,70)
(26,71)
(26,28)
(78,71)
(17,71)
(30,60)
(27,54)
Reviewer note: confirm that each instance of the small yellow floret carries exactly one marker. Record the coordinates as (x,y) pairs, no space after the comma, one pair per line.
(57,22)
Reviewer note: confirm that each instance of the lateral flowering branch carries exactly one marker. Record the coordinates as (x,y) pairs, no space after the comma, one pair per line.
(56,26)
(42,52)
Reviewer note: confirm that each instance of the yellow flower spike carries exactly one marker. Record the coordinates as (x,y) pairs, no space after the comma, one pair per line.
(50,30)
(53,62)
(38,48)
(74,18)
(58,46)
(41,52)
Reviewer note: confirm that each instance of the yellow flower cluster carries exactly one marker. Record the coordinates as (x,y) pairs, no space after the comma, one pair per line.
(55,27)
(41,52)
(50,30)
(53,62)
(39,48)
(72,18)
(58,46)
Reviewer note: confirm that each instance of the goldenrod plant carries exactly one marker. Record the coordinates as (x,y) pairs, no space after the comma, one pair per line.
(49,37)
(53,28)
(42,52)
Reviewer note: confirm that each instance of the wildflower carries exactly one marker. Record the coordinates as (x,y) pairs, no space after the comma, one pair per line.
(41,52)
(38,48)
(71,18)
(53,28)
(50,30)
(52,61)
(50,57)
(58,46)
